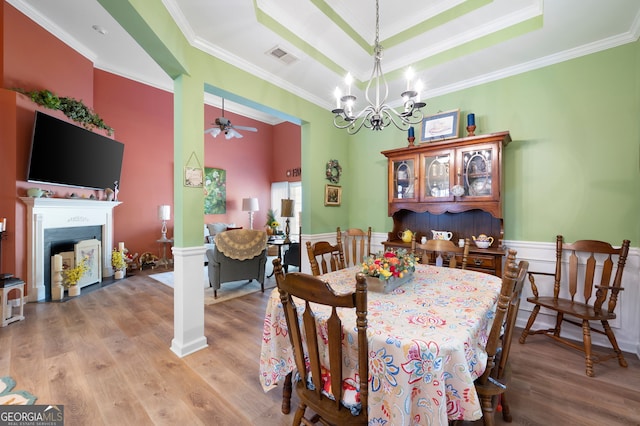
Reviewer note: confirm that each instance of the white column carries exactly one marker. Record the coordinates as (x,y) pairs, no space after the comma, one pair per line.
(188,300)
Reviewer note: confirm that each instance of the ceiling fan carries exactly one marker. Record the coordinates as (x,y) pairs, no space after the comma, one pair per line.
(223,125)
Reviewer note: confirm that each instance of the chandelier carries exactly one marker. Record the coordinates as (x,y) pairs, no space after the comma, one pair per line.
(378,115)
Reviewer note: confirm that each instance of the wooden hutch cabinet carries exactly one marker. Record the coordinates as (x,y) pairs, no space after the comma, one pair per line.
(454,185)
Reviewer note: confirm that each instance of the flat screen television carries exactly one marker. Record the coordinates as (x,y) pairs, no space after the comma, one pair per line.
(65,154)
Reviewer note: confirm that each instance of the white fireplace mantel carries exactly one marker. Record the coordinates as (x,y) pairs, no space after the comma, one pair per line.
(47,213)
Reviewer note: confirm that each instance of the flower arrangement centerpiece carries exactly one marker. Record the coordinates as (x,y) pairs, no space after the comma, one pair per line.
(390,269)
(71,276)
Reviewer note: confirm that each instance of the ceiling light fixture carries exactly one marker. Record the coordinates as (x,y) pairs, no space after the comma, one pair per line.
(378,115)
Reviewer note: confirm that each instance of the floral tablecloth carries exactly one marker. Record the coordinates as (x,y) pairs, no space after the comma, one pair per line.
(426,344)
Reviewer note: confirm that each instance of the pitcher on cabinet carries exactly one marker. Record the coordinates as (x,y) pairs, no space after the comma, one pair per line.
(406,236)
(441,235)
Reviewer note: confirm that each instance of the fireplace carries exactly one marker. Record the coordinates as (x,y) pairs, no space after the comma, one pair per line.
(67,221)
(58,240)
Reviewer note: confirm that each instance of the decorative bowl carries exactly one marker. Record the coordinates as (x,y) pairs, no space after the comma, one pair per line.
(483,244)
(35,192)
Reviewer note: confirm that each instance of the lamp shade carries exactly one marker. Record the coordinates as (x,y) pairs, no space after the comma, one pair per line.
(250,205)
(287,208)
(164,212)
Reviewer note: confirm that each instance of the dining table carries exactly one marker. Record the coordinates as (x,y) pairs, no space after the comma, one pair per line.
(426,341)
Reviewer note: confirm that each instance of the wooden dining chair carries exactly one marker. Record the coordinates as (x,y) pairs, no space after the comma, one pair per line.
(593,298)
(436,252)
(356,244)
(325,257)
(492,387)
(319,300)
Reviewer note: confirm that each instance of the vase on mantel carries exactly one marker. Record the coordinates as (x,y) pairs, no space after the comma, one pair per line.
(74,290)
(119,274)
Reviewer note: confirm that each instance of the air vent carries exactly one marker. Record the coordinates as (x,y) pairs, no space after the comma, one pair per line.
(282,55)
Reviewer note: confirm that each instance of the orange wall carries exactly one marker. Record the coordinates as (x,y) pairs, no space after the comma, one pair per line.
(142,117)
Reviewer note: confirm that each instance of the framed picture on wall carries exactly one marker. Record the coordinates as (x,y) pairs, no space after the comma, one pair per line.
(215,191)
(443,125)
(332,195)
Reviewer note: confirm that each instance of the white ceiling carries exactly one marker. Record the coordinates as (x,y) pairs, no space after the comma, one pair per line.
(451,44)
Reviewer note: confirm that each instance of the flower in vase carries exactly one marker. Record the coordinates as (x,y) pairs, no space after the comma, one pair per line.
(71,276)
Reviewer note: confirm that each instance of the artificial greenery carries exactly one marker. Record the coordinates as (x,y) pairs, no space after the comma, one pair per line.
(72,108)
(71,276)
(117,260)
(271,218)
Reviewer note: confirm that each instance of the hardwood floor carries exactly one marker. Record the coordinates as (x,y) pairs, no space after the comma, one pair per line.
(105,356)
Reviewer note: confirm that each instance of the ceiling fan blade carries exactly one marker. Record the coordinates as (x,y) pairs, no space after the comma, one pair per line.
(248,129)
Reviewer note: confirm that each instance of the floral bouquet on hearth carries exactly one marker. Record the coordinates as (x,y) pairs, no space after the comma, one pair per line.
(391,268)
(71,276)
(117,260)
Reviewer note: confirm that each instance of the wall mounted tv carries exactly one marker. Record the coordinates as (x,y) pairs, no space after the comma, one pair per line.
(65,154)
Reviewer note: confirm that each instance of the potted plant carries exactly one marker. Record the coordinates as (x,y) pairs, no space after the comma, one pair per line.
(118,263)
(71,276)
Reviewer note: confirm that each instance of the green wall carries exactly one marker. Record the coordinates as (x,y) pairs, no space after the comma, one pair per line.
(572,168)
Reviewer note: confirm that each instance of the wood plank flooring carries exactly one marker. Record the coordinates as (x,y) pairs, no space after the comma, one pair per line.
(105,356)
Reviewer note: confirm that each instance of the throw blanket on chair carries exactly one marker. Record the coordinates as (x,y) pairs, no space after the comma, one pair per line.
(241,244)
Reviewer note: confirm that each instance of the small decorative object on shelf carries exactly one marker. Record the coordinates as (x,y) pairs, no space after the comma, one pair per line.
(471,124)
(389,270)
(115,191)
(108,194)
(411,136)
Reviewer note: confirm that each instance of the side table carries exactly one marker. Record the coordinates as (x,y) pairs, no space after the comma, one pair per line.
(165,260)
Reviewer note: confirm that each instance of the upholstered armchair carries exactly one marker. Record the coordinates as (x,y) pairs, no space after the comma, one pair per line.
(292,257)
(237,255)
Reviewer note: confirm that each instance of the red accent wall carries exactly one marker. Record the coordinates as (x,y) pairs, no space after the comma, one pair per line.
(142,117)
(34,59)
(247,161)
(286,143)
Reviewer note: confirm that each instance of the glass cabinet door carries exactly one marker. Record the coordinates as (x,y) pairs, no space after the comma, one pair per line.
(477,166)
(404,178)
(436,183)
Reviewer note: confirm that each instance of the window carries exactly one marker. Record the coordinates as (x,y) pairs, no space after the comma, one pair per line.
(291,190)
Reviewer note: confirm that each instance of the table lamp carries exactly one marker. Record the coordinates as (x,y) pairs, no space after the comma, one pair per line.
(286,207)
(250,205)
(164,214)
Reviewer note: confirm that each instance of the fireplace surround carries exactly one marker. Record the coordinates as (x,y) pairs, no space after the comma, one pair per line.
(59,213)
